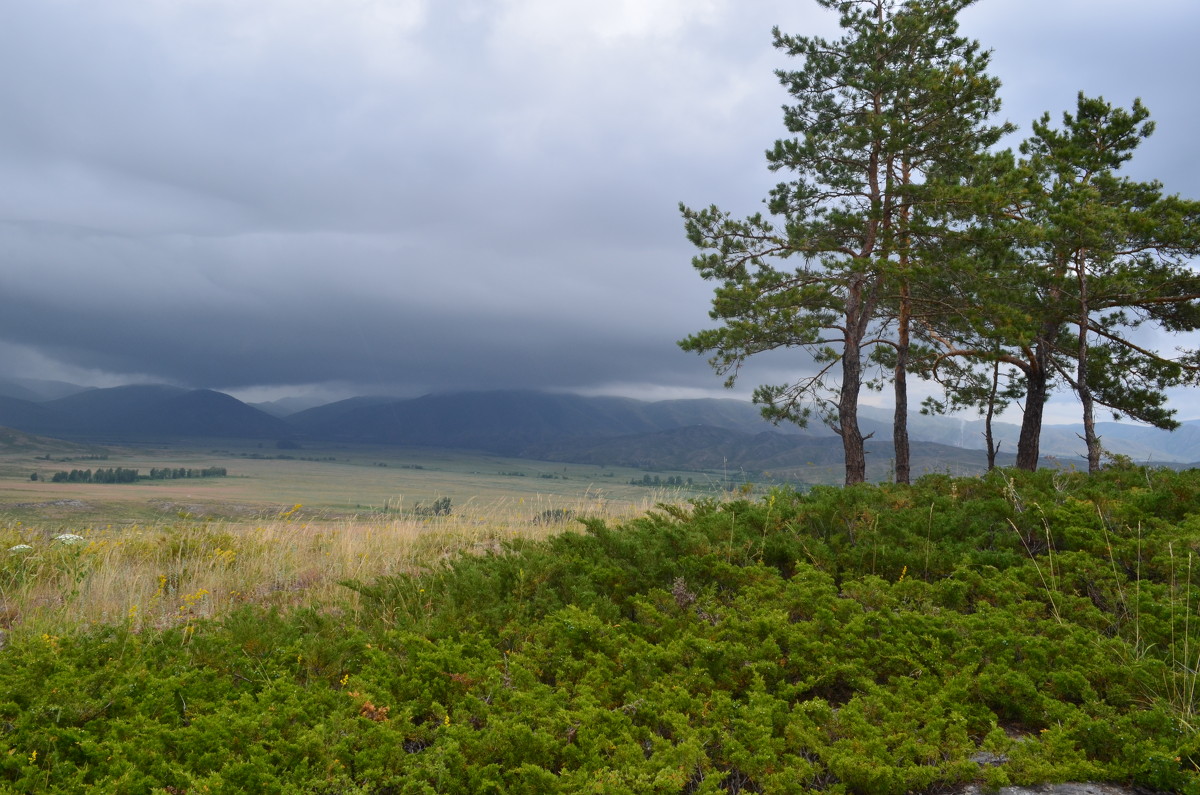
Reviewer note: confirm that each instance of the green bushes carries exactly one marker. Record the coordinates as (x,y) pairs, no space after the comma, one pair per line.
(874,639)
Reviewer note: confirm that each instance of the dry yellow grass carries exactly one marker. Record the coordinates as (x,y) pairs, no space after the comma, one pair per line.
(161,575)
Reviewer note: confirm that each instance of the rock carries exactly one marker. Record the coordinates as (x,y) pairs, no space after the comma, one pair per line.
(1058,789)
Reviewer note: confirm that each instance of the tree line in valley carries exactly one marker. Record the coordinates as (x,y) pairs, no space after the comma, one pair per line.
(125,475)
(906,243)
(657,480)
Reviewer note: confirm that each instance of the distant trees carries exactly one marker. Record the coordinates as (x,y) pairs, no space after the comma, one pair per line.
(177,473)
(923,251)
(110,475)
(123,475)
(658,481)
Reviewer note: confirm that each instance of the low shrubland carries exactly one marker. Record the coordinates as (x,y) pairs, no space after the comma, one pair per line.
(1016,628)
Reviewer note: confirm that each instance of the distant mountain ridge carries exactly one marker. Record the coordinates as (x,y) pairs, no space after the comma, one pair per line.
(139,412)
(516,422)
(38,389)
(1139,442)
(680,434)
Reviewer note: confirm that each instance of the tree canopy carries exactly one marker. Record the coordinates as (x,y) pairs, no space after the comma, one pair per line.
(902,239)
(900,96)
(1094,266)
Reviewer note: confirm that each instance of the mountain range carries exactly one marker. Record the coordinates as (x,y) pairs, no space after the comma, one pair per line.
(703,434)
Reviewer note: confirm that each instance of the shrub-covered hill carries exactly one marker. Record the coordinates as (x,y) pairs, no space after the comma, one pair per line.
(1016,628)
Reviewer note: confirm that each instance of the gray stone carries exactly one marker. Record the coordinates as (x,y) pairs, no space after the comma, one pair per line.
(1058,789)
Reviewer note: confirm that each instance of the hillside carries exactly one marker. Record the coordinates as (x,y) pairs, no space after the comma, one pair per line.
(140,412)
(14,441)
(680,434)
(514,422)
(33,417)
(1139,442)
(806,459)
(37,389)
(1008,630)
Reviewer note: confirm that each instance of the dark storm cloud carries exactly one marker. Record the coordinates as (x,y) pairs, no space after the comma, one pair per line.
(411,195)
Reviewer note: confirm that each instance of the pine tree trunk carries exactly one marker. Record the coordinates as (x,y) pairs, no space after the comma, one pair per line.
(900,381)
(1081,377)
(1089,431)
(852,438)
(992,447)
(1036,383)
(900,443)
(990,440)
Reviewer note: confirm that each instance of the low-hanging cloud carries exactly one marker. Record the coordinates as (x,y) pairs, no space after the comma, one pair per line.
(409,195)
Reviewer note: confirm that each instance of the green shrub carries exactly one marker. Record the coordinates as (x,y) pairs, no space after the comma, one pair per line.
(872,640)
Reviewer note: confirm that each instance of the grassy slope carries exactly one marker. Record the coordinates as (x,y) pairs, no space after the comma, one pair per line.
(874,639)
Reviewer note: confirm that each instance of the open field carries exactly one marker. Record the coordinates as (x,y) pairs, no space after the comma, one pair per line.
(284,528)
(341,482)
(166,574)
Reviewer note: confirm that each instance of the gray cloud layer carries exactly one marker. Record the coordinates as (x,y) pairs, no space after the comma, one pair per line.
(406,195)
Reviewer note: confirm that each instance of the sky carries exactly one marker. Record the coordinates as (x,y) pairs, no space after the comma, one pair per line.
(336,197)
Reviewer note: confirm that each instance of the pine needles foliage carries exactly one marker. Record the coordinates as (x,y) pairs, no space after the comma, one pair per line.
(1016,628)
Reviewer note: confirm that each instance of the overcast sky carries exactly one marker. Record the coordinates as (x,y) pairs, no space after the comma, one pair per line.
(274,196)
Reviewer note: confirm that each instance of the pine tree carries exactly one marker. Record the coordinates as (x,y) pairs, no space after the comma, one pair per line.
(900,96)
(1121,249)
(1067,265)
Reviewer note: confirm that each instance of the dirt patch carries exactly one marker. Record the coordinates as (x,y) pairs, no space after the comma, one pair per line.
(197,510)
(78,505)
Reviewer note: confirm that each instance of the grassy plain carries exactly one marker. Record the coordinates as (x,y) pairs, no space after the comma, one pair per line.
(284,528)
(339,482)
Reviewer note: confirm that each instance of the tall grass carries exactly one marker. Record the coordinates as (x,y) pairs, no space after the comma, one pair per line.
(1182,675)
(161,575)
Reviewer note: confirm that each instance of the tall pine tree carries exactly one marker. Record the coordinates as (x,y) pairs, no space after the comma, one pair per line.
(1065,272)
(1116,253)
(900,96)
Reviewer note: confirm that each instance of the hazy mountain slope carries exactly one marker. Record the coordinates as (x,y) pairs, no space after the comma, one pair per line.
(110,407)
(9,389)
(512,421)
(784,456)
(693,447)
(622,430)
(1182,444)
(506,422)
(681,434)
(331,414)
(286,407)
(1139,442)
(28,416)
(203,412)
(13,441)
(38,390)
(143,411)
(733,414)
